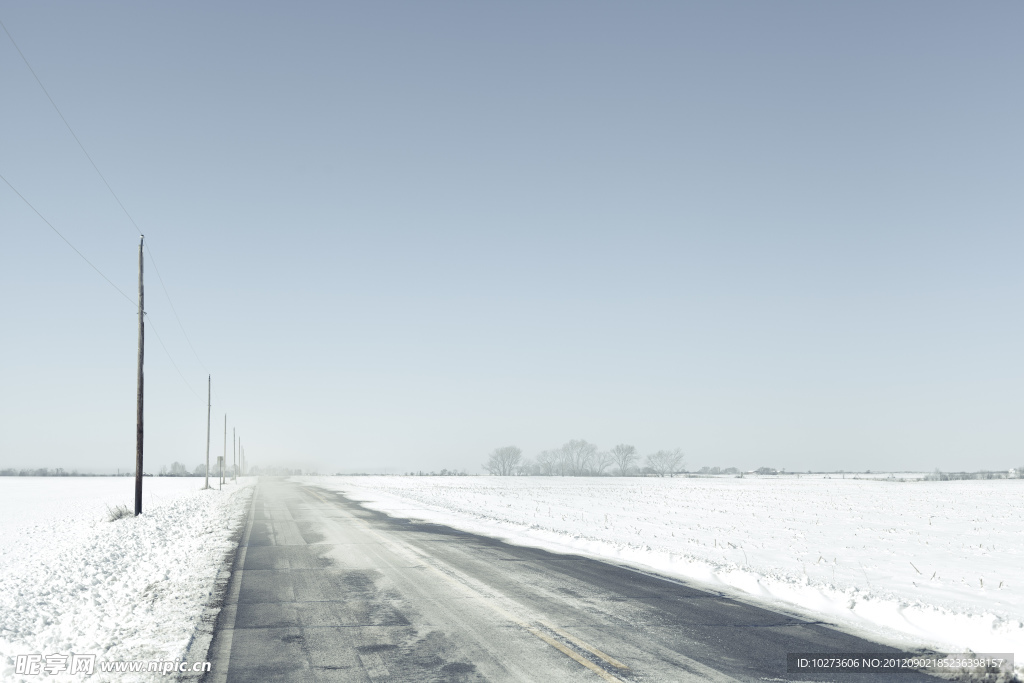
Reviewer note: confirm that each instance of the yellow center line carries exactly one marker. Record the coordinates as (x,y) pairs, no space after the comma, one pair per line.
(316,495)
(589,648)
(464,584)
(574,655)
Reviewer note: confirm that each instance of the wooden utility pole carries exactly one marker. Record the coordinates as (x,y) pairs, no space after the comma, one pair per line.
(138,394)
(225,456)
(207,485)
(234,455)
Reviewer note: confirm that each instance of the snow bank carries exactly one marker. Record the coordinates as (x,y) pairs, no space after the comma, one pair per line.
(132,589)
(915,563)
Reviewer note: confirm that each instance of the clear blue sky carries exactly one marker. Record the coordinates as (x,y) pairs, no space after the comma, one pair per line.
(402,234)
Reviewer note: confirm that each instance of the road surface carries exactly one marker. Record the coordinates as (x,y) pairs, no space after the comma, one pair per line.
(325,590)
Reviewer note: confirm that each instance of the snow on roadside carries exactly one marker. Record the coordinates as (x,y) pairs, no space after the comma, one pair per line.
(132,589)
(933,564)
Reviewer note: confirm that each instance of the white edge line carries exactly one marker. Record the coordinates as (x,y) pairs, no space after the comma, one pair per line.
(222,655)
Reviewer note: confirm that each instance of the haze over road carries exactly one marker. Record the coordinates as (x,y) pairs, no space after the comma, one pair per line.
(325,590)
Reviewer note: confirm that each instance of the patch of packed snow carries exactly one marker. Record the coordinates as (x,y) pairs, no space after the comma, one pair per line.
(131,589)
(914,563)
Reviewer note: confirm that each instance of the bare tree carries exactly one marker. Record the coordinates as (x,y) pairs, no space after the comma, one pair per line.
(624,457)
(504,461)
(577,456)
(600,462)
(675,461)
(527,467)
(561,462)
(547,462)
(665,462)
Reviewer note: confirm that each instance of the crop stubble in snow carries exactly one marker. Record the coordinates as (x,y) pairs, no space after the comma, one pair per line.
(916,563)
(124,590)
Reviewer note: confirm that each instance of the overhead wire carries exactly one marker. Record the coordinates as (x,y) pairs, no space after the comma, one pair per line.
(147,245)
(70,130)
(160,277)
(170,358)
(68,242)
(134,304)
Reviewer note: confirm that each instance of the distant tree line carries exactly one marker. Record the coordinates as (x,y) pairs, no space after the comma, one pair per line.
(61,472)
(276,472)
(719,470)
(580,458)
(176,469)
(937,475)
(45,472)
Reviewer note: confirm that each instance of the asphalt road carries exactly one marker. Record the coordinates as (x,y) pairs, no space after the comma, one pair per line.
(325,590)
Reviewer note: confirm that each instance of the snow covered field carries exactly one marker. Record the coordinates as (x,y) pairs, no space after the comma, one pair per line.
(917,563)
(132,589)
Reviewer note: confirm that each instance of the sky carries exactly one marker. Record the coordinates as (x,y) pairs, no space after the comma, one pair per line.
(399,235)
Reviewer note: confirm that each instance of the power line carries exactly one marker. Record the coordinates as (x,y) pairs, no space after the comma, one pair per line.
(66,241)
(134,304)
(117,199)
(61,115)
(174,310)
(111,189)
(171,358)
